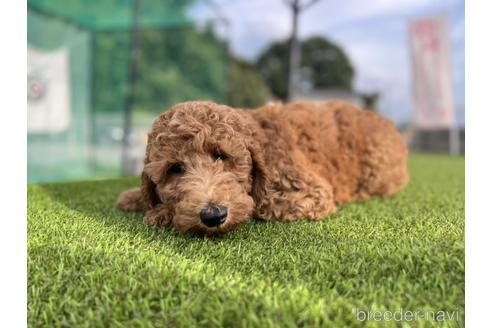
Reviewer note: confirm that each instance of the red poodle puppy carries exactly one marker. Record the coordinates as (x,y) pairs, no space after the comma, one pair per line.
(210,167)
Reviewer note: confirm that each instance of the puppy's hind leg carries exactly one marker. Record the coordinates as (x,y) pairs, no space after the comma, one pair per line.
(131,200)
(298,195)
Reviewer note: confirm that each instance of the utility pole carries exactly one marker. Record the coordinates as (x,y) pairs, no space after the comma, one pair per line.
(295,51)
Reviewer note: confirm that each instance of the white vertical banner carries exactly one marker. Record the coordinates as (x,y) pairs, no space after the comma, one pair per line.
(432,85)
(48,94)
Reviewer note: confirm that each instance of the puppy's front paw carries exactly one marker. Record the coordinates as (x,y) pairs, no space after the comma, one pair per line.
(156,216)
(130,200)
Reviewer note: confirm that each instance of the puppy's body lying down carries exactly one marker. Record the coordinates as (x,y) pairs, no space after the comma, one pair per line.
(209,167)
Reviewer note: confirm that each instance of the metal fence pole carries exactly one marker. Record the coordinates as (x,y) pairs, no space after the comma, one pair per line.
(454,140)
(132,79)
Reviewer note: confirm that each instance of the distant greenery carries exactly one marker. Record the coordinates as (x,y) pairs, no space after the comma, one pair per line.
(323,64)
(181,64)
(175,65)
(177,62)
(91,265)
(247,88)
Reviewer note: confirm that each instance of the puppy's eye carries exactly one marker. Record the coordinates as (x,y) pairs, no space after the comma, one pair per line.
(177,168)
(218,155)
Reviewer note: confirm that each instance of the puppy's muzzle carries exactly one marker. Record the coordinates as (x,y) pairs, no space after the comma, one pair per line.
(213,215)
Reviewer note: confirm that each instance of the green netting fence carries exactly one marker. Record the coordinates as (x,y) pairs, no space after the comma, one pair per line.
(81,137)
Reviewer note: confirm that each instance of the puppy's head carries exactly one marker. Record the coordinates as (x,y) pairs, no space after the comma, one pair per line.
(203,167)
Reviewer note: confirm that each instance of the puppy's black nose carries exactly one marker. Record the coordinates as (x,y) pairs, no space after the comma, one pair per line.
(213,215)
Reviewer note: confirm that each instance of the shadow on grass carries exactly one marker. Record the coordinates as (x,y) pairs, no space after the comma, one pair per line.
(96,200)
(265,249)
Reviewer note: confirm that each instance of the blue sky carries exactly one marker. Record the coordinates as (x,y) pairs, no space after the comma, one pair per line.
(373,33)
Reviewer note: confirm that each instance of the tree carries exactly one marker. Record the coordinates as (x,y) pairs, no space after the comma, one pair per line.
(178,65)
(323,63)
(246,89)
(175,65)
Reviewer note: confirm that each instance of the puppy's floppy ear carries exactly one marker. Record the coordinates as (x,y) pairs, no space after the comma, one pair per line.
(151,175)
(259,173)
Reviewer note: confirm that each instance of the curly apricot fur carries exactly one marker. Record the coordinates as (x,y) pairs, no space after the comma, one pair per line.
(280,162)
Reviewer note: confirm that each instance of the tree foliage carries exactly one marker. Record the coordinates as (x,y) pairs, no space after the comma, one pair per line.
(174,65)
(323,64)
(246,89)
(180,65)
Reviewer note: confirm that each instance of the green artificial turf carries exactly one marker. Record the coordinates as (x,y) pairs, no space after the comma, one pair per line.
(91,265)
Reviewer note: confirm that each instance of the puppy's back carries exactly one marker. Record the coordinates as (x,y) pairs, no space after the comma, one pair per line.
(358,151)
